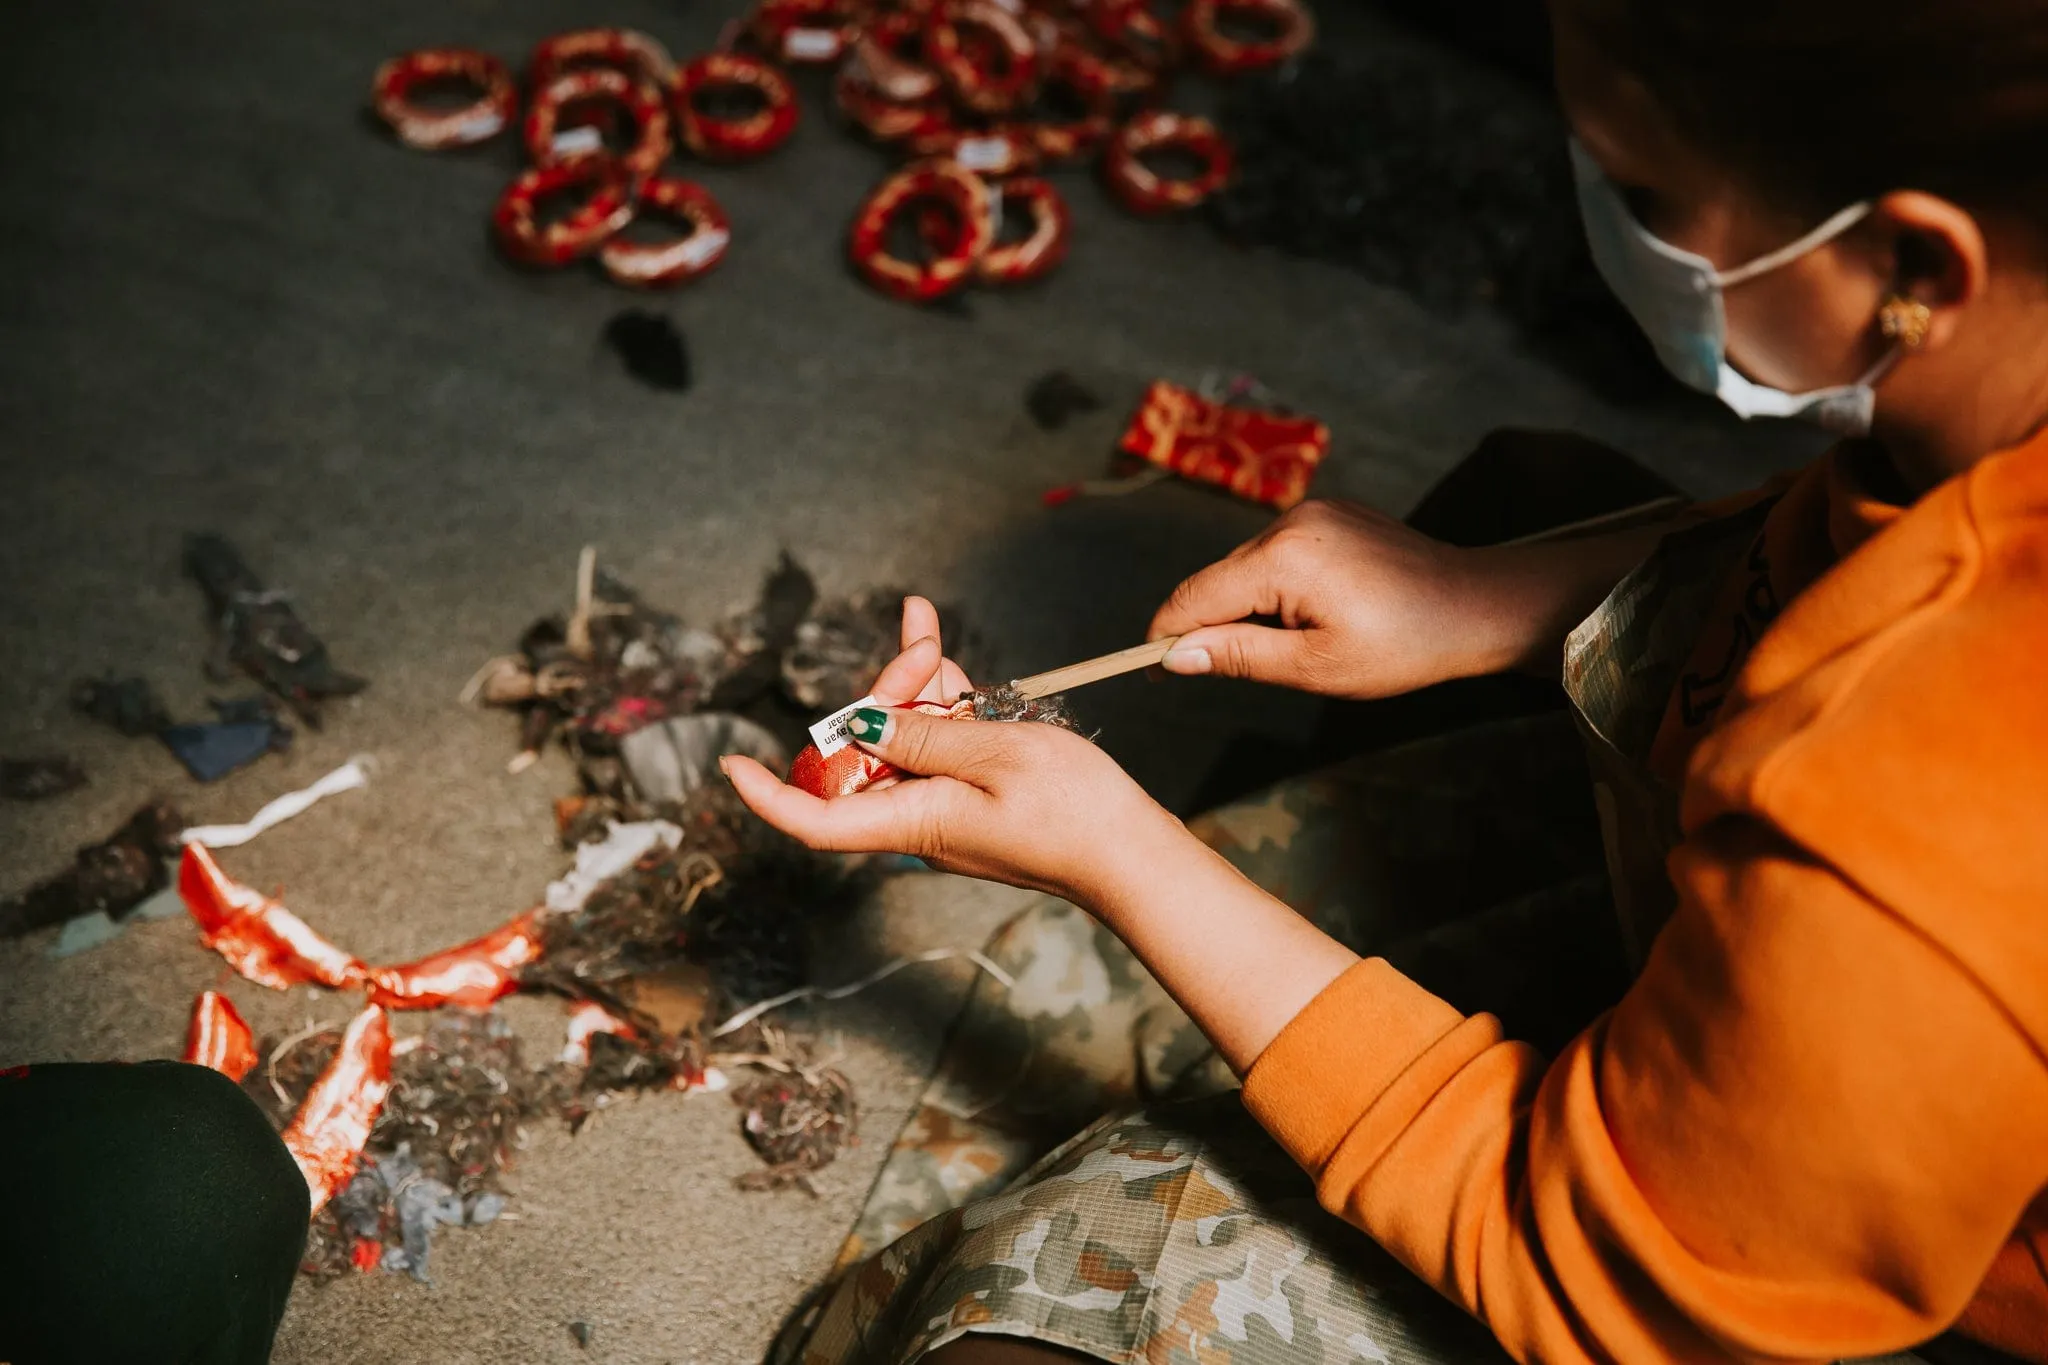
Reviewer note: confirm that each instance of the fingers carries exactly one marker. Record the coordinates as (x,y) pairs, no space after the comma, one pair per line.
(909,674)
(920,619)
(896,820)
(1243,651)
(933,746)
(1231,589)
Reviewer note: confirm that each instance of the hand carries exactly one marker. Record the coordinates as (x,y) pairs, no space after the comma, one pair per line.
(1008,801)
(1366,606)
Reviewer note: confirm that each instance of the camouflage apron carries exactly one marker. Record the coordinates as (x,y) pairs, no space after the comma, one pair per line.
(1180,1234)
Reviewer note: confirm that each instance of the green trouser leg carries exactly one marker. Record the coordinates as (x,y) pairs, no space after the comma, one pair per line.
(147,1213)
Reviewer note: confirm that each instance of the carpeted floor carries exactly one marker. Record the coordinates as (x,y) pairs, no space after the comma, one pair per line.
(226,302)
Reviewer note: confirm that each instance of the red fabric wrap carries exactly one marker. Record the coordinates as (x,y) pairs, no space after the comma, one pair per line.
(643,103)
(683,258)
(217,1038)
(1142,189)
(1293,30)
(992,77)
(621,49)
(1266,457)
(326,1137)
(497,100)
(607,208)
(261,939)
(734,139)
(965,193)
(853,769)
(471,976)
(1045,246)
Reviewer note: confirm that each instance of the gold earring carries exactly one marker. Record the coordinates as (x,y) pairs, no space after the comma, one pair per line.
(1905,320)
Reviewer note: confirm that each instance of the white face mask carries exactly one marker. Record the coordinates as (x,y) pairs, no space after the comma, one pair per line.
(1675,297)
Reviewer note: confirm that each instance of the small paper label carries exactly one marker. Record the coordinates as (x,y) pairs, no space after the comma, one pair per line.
(477,127)
(810,44)
(578,141)
(982,153)
(831,734)
(701,247)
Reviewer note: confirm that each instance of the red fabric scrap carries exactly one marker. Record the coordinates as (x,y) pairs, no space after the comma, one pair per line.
(586,1020)
(218,1038)
(366,1254)
(327,1136)
(471,976)
(1264,456)
(260,938)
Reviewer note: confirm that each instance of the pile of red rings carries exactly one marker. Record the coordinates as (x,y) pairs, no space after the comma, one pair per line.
(605,108)
(979,95)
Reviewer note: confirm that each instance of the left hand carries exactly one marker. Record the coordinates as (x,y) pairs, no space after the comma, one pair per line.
(1016,802)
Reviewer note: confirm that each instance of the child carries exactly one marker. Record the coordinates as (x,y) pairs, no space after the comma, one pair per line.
(1814,1127)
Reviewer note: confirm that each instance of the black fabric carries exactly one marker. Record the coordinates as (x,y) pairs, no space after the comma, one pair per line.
(148,1213)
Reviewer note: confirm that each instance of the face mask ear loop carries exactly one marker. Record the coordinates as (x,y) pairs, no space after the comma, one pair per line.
(1784,255)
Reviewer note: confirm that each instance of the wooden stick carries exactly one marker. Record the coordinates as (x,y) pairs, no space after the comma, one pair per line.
(1094,670)
(1644,511)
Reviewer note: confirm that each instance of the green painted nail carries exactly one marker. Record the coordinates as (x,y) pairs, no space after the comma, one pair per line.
(868,722)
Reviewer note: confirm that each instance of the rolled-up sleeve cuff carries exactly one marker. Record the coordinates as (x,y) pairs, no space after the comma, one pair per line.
(1339,1055)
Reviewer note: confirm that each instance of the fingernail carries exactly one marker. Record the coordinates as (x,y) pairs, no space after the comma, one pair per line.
(868,723)
(1194,660)
(724,771)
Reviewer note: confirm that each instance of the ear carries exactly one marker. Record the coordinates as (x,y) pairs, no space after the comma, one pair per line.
(1938,257)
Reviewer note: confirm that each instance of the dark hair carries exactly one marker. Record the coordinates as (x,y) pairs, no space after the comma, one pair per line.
(1820,103)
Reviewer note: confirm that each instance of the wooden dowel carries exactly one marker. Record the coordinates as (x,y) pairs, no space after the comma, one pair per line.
(1094,670)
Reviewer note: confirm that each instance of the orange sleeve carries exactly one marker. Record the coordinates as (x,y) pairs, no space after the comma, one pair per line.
(1806,1132)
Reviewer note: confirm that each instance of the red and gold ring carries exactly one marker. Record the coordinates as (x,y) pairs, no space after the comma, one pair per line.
(734,139)
(1292,26)
(1133,28)
(999,79)
(671,262)
(962,192)
(805,32)
(889,59)
(621,49)
(884,119)
(991,152)
(1039,251)
(644,104)
(1145,191)
(1065,135)
(608,207)
(391,94)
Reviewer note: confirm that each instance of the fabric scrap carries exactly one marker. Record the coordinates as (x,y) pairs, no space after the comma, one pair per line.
(218,1038)
(348,777)
(327,1136)
(261,939)
(622,846)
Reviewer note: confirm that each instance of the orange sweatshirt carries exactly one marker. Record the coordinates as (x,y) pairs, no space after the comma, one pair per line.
(1817,1125)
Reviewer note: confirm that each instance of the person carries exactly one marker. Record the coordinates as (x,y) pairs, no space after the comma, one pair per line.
(1812,1126)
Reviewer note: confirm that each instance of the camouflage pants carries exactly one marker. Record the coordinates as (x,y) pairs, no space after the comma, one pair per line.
(1182,1233)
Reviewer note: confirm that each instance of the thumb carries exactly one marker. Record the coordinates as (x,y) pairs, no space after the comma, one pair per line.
(1241,650)
(927,744)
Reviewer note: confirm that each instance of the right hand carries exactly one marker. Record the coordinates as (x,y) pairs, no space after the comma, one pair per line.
(1366,608)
